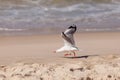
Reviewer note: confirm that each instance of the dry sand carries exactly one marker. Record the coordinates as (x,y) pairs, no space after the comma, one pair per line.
(31,57)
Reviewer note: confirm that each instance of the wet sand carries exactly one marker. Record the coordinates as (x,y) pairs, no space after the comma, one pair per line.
(40,48)
(32,57)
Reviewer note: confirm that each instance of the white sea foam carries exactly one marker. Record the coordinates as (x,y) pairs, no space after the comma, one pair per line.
(7,29)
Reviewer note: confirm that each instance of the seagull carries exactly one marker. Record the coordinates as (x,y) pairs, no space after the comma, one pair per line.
(69,44)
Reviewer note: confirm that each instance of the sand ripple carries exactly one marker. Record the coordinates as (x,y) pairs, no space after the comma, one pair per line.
(96,68)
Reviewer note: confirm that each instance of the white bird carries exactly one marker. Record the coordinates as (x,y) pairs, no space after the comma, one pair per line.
(69,43)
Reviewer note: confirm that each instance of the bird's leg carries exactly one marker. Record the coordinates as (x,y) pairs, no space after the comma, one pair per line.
(74,53)
(69,52)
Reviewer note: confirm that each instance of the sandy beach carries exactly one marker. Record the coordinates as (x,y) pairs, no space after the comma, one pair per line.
(32,57)
(30,33)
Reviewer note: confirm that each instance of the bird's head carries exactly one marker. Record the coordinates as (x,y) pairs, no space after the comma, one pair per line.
(72,26)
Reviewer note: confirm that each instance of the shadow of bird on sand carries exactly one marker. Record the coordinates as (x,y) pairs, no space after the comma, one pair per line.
(85,56)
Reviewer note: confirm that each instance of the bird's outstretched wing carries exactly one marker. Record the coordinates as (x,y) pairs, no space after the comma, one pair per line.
(68,35)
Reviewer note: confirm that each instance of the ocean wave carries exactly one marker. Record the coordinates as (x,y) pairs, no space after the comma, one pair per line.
(74,10)
(17,15)
(59,3)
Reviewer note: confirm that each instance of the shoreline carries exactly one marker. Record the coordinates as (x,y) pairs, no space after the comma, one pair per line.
(59,32)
